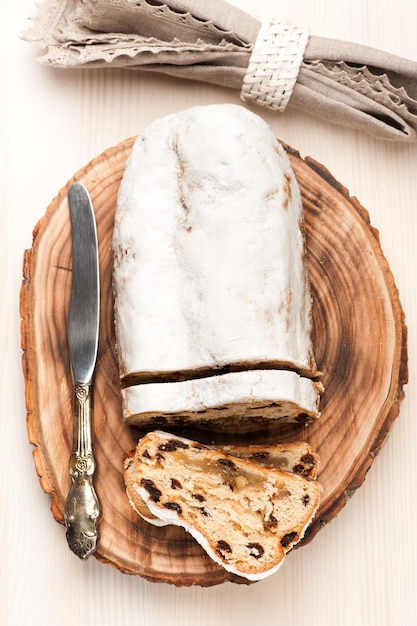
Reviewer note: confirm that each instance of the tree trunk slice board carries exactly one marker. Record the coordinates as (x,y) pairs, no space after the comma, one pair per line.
(360,345)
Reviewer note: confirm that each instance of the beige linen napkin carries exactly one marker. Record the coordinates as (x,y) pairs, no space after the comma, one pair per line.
(213,41)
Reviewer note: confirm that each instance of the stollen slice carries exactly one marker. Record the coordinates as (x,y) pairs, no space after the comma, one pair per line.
(297,457)
(246,516)
(235,400)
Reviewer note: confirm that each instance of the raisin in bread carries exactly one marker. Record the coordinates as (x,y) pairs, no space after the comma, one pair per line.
(210,275)
(296,457)
(245,515)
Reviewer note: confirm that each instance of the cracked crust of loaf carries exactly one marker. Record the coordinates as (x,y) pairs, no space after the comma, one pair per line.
(245,515)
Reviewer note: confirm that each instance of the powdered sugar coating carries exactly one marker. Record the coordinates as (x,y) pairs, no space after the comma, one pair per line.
(209,267)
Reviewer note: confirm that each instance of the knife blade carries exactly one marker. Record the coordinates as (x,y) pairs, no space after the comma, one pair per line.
(82,507)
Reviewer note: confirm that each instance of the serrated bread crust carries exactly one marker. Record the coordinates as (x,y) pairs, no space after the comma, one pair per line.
(245,515)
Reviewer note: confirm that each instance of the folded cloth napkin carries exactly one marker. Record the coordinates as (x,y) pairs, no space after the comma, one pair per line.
(272,64)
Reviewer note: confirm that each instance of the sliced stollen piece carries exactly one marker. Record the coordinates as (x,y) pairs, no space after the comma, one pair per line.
(209,256)
(246,516)
(297,457)
(236,399)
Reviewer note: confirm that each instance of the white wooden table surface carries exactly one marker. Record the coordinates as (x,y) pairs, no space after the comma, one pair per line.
(362,568)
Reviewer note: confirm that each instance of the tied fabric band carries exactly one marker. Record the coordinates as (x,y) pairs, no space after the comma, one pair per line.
(274,64)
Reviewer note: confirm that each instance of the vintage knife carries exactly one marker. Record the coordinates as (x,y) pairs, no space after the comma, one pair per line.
(82,508)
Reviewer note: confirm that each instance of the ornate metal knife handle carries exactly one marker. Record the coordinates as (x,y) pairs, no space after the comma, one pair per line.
(82,508)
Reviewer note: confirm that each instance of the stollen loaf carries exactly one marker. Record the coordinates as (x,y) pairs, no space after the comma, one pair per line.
(245,515)
(297,457)
(210,281)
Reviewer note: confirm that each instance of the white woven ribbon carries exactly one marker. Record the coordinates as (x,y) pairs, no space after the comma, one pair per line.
(274,64)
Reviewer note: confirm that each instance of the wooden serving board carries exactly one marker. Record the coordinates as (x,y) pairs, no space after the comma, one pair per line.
(360,346)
